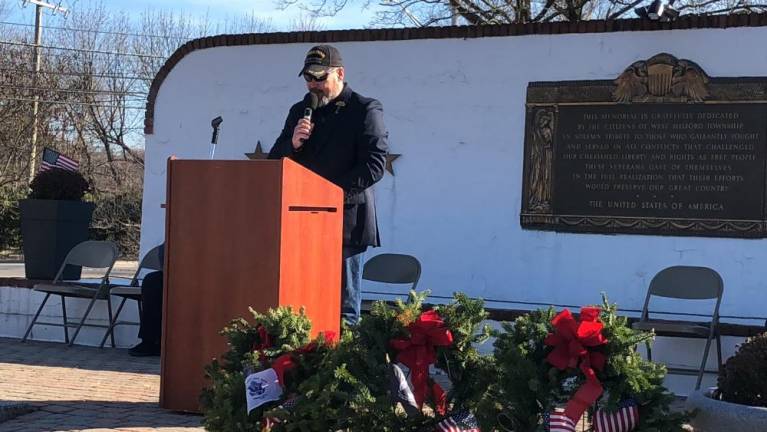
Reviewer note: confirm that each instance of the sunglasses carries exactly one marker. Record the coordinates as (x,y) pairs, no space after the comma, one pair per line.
(310,77)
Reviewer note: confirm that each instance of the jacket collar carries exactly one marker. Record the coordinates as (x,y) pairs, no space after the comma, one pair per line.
(345,95)
(339,101)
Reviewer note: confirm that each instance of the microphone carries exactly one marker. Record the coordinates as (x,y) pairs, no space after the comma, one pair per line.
(311,105)
(215,123)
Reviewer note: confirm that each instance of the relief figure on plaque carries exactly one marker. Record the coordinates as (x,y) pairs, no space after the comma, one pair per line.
(689,81)
(632,83)
(541,157)
(663,77)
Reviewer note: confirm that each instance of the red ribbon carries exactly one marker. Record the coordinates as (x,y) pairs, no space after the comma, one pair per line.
(264,340)
(282,364)
(440,398)
(287,361)
(264,343)
(571,341)
(330,337)
(418,352)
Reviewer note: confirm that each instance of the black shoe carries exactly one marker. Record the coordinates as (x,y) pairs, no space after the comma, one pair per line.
(145,349)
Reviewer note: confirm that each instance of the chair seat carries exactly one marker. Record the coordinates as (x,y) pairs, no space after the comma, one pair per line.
(664,327)
(69,290)
(125,291)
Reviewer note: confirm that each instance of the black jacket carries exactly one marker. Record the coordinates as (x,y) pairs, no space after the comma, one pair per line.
(348,147)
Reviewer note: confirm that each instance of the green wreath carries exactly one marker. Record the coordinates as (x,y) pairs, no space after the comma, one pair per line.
(278,334)
(529,387)
(355,387)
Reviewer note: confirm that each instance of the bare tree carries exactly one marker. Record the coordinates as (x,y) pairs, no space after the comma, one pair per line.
(97,68)
(482,12)
(17,88)
(307,22)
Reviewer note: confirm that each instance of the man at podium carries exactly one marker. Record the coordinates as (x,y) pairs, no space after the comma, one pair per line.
(340,135)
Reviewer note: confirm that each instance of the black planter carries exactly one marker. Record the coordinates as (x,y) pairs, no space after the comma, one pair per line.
(49,229)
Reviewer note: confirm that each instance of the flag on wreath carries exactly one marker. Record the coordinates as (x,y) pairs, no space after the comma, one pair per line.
(625,419)
(262,387)
(461,422)
(267,423)
(557,421)
(401,391)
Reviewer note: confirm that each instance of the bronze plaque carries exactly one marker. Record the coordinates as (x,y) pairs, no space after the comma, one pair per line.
(663,149)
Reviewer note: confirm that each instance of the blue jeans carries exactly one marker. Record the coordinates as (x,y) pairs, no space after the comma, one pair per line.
(351,283)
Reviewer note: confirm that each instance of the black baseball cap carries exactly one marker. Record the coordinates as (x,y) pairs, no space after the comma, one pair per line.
(319,59)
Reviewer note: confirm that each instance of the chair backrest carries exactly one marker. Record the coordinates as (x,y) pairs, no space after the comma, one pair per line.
(92,254)
(686,283)
(392,268)
(152,260)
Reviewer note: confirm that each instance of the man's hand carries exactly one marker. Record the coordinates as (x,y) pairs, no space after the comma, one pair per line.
(301,132)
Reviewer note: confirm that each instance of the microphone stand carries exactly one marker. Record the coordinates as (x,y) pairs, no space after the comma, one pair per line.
(215,123)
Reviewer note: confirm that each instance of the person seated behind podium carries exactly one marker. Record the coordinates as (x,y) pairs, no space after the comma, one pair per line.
(345,141)
(150,329)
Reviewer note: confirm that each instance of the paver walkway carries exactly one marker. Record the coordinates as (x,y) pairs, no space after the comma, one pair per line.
(84,389)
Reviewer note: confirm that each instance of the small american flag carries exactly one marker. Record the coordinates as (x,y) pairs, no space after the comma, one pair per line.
(625,419)
(557,421)
(461,422)
(267,423)
(54,159)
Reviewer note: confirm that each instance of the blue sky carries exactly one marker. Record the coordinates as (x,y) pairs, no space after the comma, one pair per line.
(353,16)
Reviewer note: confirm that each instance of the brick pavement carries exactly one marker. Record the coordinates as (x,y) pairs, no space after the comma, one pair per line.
(84,389)
(89,389)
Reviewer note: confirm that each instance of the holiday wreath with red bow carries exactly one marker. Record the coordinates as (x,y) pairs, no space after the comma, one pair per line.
(405,367)
(555,369)
(257,379)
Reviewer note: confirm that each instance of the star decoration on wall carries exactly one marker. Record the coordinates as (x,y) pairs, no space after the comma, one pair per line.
(391,157)
(258,153)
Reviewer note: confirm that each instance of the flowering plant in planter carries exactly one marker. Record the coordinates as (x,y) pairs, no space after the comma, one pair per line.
(59,184)
(739,402)
(743,379)
(54,218)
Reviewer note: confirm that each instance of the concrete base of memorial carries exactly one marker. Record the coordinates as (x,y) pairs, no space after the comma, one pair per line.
(19,304)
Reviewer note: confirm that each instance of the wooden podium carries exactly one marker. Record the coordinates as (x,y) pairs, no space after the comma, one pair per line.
(260,233)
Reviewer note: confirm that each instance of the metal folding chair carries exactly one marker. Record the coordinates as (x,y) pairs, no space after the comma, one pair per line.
(152,261)
(686,283)
(90,254)
(392,268)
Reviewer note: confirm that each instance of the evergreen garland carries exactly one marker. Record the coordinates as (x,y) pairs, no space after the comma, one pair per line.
(469,372)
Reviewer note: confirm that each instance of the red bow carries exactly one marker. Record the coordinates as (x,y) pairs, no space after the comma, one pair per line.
(287,361)
(440,398)
(329,336)
(571,341)
(264,343)
(418,352)
(264,340)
